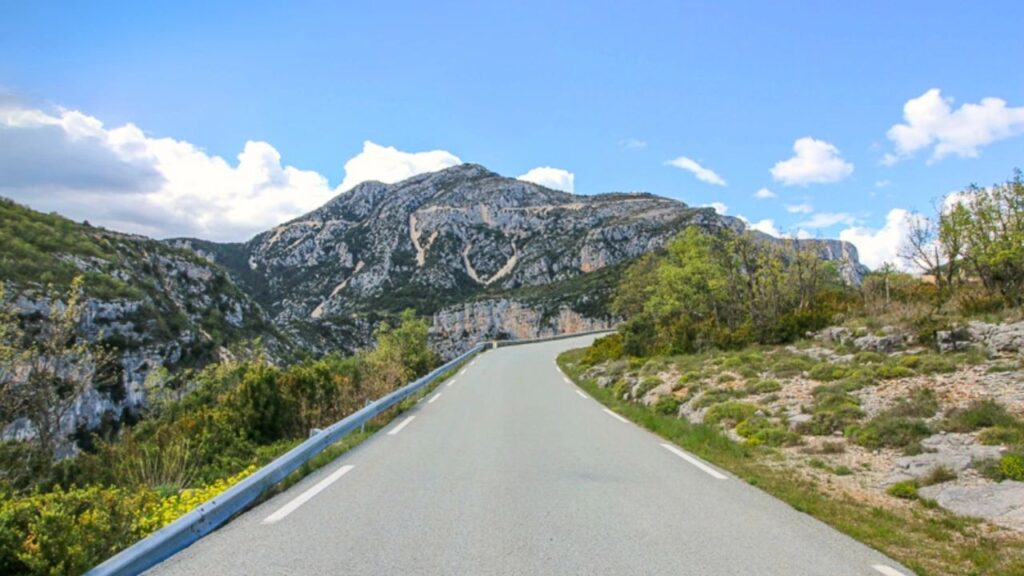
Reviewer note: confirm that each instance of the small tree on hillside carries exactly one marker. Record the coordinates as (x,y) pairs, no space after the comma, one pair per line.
(42,375)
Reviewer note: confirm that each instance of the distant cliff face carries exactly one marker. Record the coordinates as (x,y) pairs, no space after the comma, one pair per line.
(437,241)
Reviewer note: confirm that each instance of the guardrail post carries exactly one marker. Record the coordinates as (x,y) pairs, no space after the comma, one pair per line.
(362,429)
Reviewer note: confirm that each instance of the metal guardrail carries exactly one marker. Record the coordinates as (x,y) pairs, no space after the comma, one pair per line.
(213,513)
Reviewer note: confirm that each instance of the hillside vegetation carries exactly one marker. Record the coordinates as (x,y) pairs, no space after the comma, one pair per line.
(891,410)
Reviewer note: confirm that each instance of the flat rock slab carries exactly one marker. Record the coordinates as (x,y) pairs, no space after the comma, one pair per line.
(956,452)
(1001,503)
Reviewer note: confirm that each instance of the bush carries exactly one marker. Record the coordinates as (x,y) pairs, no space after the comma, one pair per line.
(827,372)
(891,372)
(938,476)
(758,430)
(834,409)
(764,387)
(906,490)
(921,403)
(1011,467)
(604,349)
(65,531)
(887,430)
(979,414)
(731,411)
(1002,435)
(667,405)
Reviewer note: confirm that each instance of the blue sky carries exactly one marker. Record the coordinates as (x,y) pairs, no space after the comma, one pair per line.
(610,92)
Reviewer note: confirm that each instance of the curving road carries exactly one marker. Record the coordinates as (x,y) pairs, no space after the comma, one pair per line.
(510,469)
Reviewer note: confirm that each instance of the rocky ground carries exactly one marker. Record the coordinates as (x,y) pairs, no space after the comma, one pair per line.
(873,415)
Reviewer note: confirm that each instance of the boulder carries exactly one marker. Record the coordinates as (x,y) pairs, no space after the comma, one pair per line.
(883,344)
(998,337)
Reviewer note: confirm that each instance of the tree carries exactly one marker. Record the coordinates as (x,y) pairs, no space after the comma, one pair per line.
(43,374)
(401,354)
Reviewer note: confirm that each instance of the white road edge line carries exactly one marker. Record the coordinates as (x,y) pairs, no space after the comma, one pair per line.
(463,373)
(616,416)
(401,425)
(695,461)
(888,571)
(450,382)
(582,395)
(567,381)
(436,396)
(307,495)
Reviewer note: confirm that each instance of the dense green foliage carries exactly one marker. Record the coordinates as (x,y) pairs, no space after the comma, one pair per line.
(724,290)
(64,517)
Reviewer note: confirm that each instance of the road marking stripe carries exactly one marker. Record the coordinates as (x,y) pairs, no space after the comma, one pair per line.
(463,373)
(582,395)
(694,461)
(452,381)
(307,495)
(887,570)
(436,396)
(616,416)
(567,381)
(398,428)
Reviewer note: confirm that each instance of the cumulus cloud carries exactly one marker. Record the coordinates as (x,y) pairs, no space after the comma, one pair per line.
(815,162)
(554,178)
(878,246)
(767,225)
(827,219)
(718,207)
(703,174)
(930,121)
(800,208)
(389,165)
(764,194)
(119,177)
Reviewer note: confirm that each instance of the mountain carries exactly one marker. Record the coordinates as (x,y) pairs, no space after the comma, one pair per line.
(486,256)
(156,305)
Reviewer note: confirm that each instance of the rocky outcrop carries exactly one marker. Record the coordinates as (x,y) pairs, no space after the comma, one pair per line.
(953,452)
(456,328)
(1000,503)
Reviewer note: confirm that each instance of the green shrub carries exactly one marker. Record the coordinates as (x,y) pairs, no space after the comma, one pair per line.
(1011,467)
(827,372)
(604,349)
(791,366)
(764,387)
(886,430)
(842,470)
(689,378)
(1002,435)
(892,372)
(667,405)
(936,364)
(732,411)
(921,403)
(758,430)
(906,490)
(979,414)
(939,475)
(867,357)
(717,396)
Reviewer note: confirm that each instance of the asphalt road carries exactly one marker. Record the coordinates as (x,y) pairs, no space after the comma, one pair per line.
(513,470)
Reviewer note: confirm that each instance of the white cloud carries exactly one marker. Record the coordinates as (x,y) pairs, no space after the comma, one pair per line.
(876,247)
(764,194)
(883,183)
(718,207)
(930,120)
(815,162)
(633,144)
(703,174)
(767,226)
(800,208)
(802,234)
(67,161)
(827,219)
(389,165)
(554,178)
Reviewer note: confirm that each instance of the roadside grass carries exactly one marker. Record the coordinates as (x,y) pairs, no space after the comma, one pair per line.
(926,539)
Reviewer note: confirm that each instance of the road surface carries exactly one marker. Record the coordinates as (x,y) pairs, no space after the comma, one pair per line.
(510,469)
